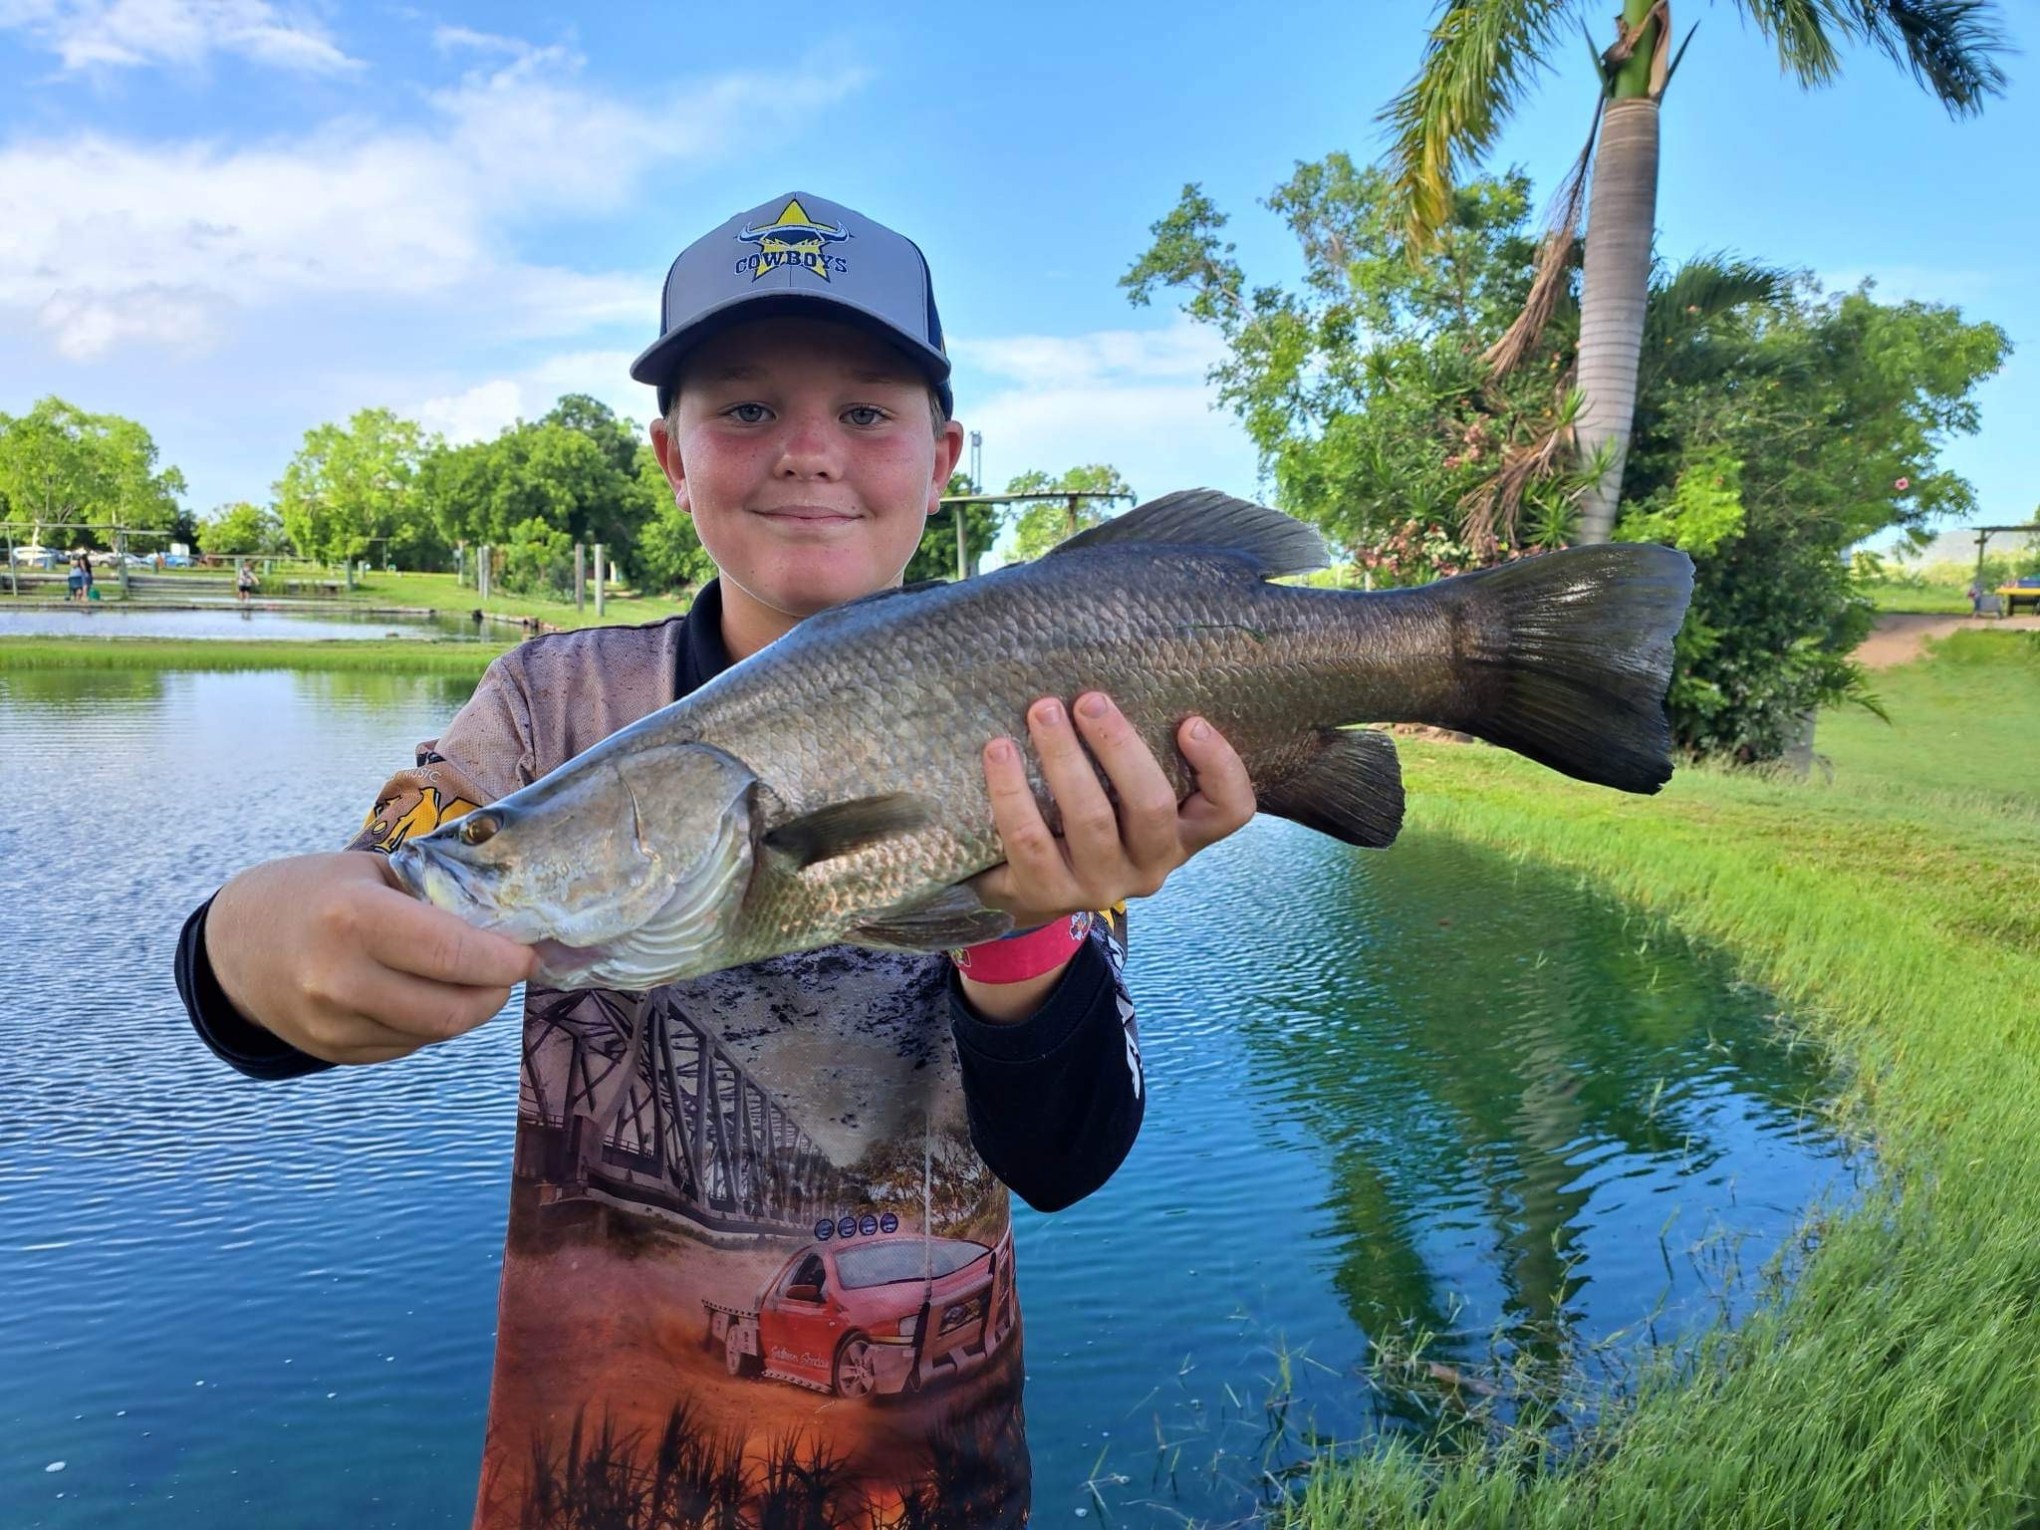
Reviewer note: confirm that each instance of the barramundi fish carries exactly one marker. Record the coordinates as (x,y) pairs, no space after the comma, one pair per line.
(829,788)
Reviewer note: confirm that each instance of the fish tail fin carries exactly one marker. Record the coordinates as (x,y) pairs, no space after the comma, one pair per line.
(1571,656)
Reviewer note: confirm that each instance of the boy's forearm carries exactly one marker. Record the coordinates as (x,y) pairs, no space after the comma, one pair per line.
(1010,1003)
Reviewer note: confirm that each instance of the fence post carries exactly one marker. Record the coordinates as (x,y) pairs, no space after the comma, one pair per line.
(580,574)
(962,555)
(13,581)
(600,570)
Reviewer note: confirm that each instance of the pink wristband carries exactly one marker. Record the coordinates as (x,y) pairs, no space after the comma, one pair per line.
(1025,954)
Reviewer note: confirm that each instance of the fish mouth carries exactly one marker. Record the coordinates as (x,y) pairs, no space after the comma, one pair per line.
(443,883)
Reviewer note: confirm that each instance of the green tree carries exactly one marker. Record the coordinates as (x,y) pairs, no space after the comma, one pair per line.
(1364,388)
(1478,62)
(350,492)
(578,471)
(62,467)
(1775,426)
(1042,524)
(1770,439)
(935,558)
(669,553)
(239,529)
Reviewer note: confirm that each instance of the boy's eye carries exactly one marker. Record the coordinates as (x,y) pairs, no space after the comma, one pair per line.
(864,414)
(748,414)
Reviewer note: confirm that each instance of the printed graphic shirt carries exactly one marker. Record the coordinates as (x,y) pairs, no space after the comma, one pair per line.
(760,1261)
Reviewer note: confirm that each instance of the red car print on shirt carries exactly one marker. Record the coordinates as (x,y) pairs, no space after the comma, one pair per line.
(873,1318)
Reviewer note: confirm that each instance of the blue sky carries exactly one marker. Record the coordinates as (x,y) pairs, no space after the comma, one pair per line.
(233,219)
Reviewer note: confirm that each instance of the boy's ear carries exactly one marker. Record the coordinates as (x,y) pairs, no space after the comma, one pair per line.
(948,452)
(667,450)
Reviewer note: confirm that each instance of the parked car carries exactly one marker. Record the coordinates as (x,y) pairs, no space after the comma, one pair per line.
(873,1316)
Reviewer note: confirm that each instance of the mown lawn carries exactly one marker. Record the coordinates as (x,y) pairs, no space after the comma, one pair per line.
(1927,599)
(1896,907)
(444,592)
(400,656)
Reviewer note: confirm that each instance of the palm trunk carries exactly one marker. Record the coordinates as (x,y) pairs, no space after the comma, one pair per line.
(1620,220)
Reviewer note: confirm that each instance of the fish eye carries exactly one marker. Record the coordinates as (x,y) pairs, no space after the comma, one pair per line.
(477,828)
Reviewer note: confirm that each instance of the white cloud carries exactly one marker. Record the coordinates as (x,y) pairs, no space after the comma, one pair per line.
(480,412)
(1136,399)
(126,34)
(110,241)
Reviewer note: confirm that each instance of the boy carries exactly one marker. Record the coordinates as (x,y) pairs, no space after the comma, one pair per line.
(734,1193)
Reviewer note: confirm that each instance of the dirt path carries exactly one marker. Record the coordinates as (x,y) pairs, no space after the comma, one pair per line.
(1900,637)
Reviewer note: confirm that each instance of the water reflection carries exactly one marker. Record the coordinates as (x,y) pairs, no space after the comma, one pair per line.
(1527,1075)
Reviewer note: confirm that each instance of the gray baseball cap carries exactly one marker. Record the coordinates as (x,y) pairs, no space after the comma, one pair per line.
(798,254)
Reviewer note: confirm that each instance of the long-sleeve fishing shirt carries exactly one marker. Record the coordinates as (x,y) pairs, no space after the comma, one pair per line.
(760,1258)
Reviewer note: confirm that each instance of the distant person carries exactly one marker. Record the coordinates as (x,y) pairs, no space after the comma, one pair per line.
(245,582)
(74,582)
(85,568)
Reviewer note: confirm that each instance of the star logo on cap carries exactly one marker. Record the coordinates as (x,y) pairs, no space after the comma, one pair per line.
(793,239)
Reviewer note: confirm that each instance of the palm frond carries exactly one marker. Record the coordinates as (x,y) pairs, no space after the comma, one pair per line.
(1949,45)
(1802,31)
(1705,288)
(1555,255)
(1478,62)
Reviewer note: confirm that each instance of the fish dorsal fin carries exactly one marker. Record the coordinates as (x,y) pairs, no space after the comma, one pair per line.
(845,826)
(1208,521)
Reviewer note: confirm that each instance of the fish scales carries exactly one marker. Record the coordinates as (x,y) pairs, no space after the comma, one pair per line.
(881,707)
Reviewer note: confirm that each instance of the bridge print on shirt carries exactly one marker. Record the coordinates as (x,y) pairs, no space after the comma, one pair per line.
(756,1273)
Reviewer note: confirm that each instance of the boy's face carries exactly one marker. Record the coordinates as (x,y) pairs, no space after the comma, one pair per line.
(805,452)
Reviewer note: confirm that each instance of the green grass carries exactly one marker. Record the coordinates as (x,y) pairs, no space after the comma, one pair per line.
(1896,908)
(1929,599)
(444,592)
(409,656)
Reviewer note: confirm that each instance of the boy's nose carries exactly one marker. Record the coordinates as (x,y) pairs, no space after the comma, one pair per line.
(809,448)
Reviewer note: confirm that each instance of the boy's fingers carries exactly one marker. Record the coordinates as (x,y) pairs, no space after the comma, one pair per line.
(397,1009)
(1224,799)
(401,933)
(1090,826)
(1147,800)
(1031,851)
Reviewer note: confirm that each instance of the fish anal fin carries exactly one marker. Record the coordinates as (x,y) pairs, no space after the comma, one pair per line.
(953,917)
(843,827)
(1205,520)
(1352,791)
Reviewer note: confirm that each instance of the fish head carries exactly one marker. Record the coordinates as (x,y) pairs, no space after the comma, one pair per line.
(626,865)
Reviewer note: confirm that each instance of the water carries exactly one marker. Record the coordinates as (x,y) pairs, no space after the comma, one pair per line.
(1424,1086)
(228,622)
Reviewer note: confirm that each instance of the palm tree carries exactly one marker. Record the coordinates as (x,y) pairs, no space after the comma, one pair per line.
(1479,61)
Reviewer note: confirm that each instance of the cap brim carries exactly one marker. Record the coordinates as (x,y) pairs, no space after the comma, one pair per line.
(658,361)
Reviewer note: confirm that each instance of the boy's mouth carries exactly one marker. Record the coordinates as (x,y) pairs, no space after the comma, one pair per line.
(821,515)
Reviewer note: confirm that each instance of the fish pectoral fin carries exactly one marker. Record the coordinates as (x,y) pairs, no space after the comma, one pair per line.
(1352,791)
(1205,520)
(845,826)
(953,917)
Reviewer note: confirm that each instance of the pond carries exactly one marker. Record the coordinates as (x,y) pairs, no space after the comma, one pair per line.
(230,622)
(1418,1089)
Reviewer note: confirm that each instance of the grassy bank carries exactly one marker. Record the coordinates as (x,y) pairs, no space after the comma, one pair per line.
(409,657)
(1897,909)
(444,592)
(1926,599)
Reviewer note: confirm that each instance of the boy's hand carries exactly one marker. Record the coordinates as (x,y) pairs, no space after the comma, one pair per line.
(1103,856)
(327,952)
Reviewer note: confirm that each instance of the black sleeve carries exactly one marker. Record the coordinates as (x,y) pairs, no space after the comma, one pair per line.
(235,1040)
(1056,1100)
